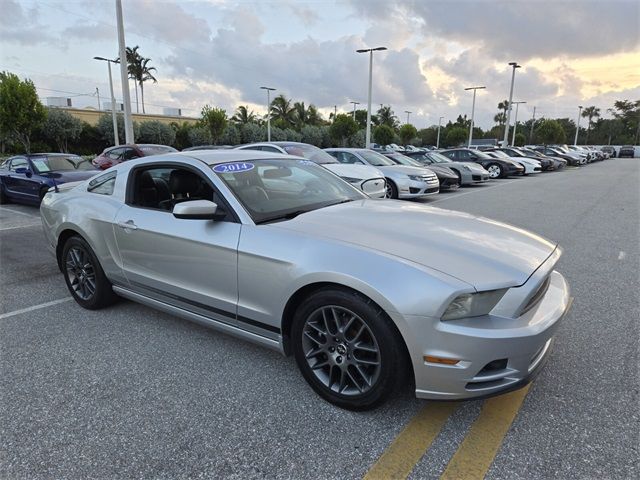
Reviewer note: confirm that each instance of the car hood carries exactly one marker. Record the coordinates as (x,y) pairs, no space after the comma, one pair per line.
(405,169)
(481,252)
(354,171)
(74,176)
(442,171)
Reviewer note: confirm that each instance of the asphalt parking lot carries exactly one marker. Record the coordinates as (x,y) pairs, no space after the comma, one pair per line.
(130,392)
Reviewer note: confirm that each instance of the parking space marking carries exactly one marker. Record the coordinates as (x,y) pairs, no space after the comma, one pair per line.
(21,226)
(478,449)
(400,458)
(34,307)
(19,213)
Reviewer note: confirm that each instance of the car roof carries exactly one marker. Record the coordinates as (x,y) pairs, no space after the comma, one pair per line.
(214,157)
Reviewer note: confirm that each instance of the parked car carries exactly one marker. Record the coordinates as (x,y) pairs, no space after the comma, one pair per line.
(366,295)
(114,155)
(557,163)
(497,167)
(530,165)
(610,150)
(207,147)
(448,178)
(573,160)
(26,178)
(582,156)
(402,181)
(516,153)
(626,151)
(468,173)
(368,179)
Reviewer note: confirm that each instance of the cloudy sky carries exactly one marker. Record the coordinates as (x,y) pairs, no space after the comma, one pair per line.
(221,51)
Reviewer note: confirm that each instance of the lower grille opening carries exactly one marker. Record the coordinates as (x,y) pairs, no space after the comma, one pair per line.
(414,190)
(493,367)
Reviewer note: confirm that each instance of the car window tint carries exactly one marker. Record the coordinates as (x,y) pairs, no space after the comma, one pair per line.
(115,153)
(267,148)
(129,153)
(103,185)
(19,162)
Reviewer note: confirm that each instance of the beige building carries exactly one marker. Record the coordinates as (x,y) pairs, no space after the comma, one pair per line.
(91,116)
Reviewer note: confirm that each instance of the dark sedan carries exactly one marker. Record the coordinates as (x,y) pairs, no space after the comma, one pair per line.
(497,167)
(545,162)
(114,155)
(555,152)
(627,151)
(559,163)
(26,178)
(448,178)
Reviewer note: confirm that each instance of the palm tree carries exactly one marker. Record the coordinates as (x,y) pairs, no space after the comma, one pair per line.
(145,76)
(590,113)
(387,117)
(282,110)
(301,116)
(501,117)
(133,63)
(243,115)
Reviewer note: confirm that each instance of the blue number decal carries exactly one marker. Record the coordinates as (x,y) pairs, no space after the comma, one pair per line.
(233,167)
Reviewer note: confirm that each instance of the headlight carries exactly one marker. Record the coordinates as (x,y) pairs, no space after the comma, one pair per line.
(473,304)
(416,178)
(466,167)
(352,180)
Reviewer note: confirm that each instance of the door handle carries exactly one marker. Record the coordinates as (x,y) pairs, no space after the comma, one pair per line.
(128,225)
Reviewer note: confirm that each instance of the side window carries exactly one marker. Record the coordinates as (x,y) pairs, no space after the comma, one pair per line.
(345,157)
(163,187)
(253,147)
(115,153)
(463,155)
(18,162)
(266,148)
(351,158)
(129,153)
(103,185)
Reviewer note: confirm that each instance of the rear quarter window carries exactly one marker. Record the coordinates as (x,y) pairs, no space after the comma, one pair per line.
(103,185)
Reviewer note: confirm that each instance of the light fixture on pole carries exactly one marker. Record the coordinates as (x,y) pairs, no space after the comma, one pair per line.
(438,138)
(124,76)
(505,141)
(575,141)
(367,142)
(269,90)
(515,123)
(113,99)
(473,110)
(354,108)
(408,113)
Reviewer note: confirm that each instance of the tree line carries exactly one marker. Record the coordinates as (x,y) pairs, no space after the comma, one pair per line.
(26,125)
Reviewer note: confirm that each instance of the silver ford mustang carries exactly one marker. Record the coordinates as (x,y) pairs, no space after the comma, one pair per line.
(367,294)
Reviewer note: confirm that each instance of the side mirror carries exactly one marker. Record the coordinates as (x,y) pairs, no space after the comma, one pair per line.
(24,170)
(196,210)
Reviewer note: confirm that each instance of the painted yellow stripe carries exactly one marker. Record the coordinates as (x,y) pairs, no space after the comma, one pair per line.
(477,451)
(399,459)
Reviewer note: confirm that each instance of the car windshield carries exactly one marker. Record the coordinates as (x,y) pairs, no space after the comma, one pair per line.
(376,159)
(279,189)
(404,160)
(309,152)
(60,163)
(156,149)
(437,157)
(483,155)
(500,154)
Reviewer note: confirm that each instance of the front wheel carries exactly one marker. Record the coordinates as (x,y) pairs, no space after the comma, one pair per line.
(391,189)
(84,276)
(495,170)
(347,349)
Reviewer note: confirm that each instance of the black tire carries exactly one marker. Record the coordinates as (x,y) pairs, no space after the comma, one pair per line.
(459,177)
(392,190)
(392,366)
(79,266)
(3,196)
(493,168)
(43,192)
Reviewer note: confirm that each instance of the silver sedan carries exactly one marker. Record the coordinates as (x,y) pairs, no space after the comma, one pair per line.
(366,294)
(402,181)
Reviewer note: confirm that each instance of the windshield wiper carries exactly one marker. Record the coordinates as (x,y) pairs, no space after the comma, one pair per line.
(286,216)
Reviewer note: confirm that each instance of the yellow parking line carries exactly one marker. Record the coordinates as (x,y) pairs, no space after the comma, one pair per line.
(399,459)
(477,451)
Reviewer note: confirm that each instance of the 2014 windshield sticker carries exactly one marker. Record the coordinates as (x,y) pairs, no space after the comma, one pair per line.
(233,167)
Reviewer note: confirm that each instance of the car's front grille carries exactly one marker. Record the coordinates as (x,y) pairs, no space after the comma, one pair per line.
(429,179)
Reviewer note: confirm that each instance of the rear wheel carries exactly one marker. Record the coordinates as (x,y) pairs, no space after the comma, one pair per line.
(347,349)
(84,276)
(495,170)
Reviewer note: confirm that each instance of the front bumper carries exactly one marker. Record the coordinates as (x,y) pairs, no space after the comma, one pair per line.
(418,189)
(480,177)
(495,353)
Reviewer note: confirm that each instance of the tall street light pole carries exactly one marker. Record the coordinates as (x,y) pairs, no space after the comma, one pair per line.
(533,122)
(438,138)
(367,141)
(575,141)
(269,90)
(515,123)
(506,127)
(113,99)
(354,108)
(473,111)
(408,113)
(124,76)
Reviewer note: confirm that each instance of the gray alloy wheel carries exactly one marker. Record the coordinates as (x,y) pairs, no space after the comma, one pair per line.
(341,350)
(80,272)
(495,171)
(391,190)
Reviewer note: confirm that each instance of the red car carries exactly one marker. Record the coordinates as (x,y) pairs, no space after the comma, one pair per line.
(114,155)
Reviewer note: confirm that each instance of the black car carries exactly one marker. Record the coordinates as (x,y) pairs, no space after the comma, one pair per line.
(497,167)
(559,163)
(545,163)
(448,178)
(627,151)
(610,150)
